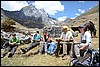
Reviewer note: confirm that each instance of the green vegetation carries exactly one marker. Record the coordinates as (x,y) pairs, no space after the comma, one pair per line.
(6,24)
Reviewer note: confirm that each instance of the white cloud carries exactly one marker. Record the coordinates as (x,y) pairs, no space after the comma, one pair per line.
(51,7)
(73,17)
(77,14)
(13,5)
(89,8)
(82,11)
(81,1)
(62,18)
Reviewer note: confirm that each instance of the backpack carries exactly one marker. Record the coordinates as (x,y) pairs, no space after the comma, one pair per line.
(75,34)
(95,58)
(91,58)
(52,48)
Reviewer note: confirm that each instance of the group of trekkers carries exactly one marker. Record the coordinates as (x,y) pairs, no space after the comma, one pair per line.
(51,47)
(13,43)
(48,46)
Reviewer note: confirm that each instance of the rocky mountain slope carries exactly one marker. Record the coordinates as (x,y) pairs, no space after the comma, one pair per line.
(29,16)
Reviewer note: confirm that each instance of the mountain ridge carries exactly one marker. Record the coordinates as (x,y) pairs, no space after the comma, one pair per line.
(29,16)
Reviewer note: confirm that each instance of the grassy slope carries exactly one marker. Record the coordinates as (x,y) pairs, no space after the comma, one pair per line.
(34,60)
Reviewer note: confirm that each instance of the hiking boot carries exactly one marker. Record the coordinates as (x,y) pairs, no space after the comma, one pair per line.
(64,58)
(63,55)
(37,52)
(10,55)
(23,50)
(30,54)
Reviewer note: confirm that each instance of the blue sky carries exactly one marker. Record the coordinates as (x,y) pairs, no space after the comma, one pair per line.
(72,8)
(57,9)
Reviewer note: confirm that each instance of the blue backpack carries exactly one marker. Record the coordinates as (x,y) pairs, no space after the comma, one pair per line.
(52,48)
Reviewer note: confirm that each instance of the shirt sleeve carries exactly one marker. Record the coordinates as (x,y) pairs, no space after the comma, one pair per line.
(32,37)
(10,41)
(70,36)
(55,44)
(88,38)
(61,35)
(18,41)
(39,36)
